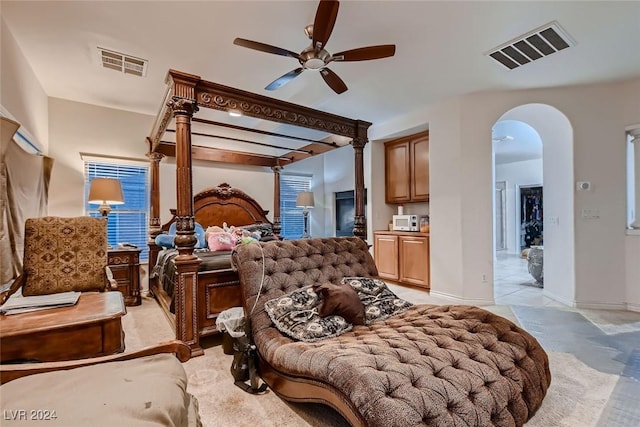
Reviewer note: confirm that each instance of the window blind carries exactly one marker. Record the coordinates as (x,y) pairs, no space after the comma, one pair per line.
(127,222)
(291,218)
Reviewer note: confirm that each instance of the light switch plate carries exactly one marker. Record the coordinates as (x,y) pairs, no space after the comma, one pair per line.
(590,213)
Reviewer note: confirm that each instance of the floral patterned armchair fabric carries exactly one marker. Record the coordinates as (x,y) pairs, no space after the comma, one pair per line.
(64,254)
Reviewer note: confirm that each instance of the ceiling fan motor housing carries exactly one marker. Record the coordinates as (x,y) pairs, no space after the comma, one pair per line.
(312,60)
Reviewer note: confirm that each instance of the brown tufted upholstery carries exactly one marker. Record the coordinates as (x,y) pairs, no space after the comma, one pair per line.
(64,254)
(431,365)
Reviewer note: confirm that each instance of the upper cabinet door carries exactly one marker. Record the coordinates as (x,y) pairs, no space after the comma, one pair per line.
(420,169)
(407,169)
(397,172)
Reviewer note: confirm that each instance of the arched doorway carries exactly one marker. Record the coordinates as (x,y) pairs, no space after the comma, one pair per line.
(554,135)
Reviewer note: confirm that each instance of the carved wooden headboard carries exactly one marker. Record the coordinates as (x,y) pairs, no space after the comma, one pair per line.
(215,206)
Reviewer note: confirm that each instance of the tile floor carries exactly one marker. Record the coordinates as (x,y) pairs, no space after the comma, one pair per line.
(605,340)
(513,285)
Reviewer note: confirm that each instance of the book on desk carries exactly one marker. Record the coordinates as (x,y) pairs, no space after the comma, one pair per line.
(21,304)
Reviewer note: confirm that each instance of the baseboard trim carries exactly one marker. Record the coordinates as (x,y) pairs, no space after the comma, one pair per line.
(557,298)
(457,300)
(601,306)
(633,307)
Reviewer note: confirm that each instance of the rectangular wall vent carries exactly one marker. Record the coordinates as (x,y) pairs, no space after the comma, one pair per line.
(536,44)
(124,63)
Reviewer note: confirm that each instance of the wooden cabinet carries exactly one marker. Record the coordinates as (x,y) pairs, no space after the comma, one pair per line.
(385,250)
(414,260)
(407,169)
(125,266)
(402,257)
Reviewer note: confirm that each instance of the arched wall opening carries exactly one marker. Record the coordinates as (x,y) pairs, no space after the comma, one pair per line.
(556,134)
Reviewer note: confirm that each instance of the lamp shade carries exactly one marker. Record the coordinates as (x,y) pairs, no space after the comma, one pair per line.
(305,199)
(105,191)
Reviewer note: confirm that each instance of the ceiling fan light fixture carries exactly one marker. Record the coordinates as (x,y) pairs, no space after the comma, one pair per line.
(314,64)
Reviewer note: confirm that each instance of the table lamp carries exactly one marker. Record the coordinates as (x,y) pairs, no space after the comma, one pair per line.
(105,192)
(305,201)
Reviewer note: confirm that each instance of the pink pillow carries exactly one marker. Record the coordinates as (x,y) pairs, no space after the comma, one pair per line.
(221,241)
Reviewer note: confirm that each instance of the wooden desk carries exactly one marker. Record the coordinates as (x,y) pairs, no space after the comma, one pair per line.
(90,328)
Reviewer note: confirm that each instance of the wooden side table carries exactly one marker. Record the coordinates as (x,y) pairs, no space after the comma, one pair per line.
(90,328)
(125,265)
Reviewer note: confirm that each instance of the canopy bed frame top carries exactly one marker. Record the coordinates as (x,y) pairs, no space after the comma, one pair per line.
(185,95)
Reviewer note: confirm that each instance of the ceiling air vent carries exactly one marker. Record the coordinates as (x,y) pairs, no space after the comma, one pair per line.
(124,63)
(536,44)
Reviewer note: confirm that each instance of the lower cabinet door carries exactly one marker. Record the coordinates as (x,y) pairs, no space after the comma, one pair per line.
(414,260)
(385,250)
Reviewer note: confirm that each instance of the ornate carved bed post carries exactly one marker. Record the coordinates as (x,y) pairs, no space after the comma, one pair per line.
(358,143)
(154,207)
(183,105)
(276,199)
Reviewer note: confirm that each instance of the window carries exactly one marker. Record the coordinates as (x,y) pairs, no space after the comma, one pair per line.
(127,222)
(291,218)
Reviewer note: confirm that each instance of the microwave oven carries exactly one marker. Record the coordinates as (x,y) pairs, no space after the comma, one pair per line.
(409,222)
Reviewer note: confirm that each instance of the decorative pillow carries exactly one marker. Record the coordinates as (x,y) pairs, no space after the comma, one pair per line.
(379,302)
(202,242)
(296,315)
(265,230)
(166,240)
(221,241)
(341,300)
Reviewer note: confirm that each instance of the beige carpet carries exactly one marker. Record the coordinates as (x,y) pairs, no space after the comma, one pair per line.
(576,397)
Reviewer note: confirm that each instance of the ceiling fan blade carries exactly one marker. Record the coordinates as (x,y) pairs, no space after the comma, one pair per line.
(333,81)
(366,53)
(265,47)
(324,21)
(280,81)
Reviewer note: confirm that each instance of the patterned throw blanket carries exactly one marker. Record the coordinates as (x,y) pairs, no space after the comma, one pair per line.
(165,268)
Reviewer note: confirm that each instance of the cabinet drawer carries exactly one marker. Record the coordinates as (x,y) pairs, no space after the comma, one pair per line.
(123,259)
(125,266)
(121,273)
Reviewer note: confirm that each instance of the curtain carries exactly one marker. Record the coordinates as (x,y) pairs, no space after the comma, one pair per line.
(24,188)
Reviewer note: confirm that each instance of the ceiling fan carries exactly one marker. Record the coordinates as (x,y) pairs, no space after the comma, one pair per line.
(316,57)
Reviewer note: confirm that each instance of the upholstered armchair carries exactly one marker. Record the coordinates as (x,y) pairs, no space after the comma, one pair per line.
(142,388)
(63,254)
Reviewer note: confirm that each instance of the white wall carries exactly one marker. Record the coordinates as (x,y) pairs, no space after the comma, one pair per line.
(556,134)
(446,200)
(461,185)
(338,176)
(606,267)
(256,182)
(82,128)
(334,172)
(633,272)
(21,94)
(313,166)
(524,173)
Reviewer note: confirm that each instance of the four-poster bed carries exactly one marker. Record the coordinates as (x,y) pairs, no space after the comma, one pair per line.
(217,287)
(186,94)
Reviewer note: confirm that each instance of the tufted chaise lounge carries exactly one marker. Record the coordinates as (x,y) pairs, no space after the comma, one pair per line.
(450,365)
